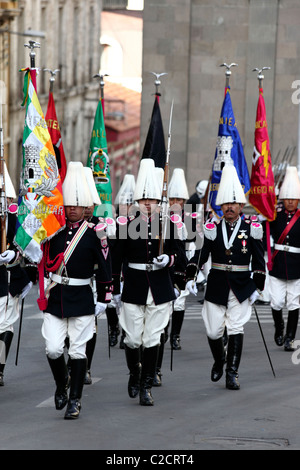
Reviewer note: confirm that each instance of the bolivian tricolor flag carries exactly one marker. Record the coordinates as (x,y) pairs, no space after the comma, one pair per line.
(40,206)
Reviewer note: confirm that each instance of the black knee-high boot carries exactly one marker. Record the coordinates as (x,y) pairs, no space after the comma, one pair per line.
(291,328)
(218,352)
(90,348)
(6,339)
(157,377)
(148,370)
(113,325)
(234,353)
(177,320)
(78,370)
(279,326)
(61,376)
(133,358)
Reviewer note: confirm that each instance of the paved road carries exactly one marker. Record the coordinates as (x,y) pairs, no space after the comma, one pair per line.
(190,414)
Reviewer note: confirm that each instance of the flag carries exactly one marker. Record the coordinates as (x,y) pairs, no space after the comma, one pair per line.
(40,206)
(54,131)
(98,161)
(230,151)
(262,193)
(155,141)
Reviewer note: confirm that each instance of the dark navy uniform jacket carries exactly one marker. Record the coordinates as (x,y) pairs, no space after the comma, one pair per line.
(286,265)
(72,301)
(246,248)
(138,242)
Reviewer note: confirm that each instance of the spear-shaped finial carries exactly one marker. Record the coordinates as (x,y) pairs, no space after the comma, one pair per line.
(260,75)
(32,45)
(157,81)
(228,71)
(52,76)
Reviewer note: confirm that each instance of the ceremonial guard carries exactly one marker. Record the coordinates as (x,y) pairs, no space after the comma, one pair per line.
(284,275)
(124,201)
(148,290)
(236,252)
(88,215)
(199,196)
(18,281)
(70,257)
(178,195)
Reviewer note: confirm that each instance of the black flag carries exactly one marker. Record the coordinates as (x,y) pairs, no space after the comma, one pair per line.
(155,147)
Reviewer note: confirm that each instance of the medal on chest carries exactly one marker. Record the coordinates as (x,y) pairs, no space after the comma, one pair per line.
(244,249)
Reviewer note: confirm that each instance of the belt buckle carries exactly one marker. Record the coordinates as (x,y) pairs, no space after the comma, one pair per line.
(286,248)
(149,267)
(65,280)
(228,267)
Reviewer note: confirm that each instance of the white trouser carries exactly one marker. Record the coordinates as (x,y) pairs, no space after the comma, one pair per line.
(283,291)
(179,303)
(144,324)
(234,317)
(79,330)
(9,313)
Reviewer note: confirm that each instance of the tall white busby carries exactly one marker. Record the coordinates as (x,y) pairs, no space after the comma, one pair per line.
(91,184)
(9,187)
(160,177)
(125,193)
(177,185)
(290,188)
(201,187)
(147,184)
(230,188)
(75,188)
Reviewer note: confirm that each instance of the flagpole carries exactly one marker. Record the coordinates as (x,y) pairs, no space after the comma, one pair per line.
(33,45)
(228,72)
(157,83)
(101,83)
(52,77)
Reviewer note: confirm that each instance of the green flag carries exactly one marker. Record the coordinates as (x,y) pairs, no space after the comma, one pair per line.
(98,161)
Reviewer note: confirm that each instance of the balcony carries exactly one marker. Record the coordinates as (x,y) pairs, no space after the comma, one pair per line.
(8,10)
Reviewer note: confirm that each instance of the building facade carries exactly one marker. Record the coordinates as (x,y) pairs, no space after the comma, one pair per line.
(189,39)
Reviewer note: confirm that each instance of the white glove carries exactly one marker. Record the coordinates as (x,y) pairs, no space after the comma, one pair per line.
(26,290)
(7,256)
(100,309)
(253,297)
(117,299)
(191,286)
(176,292)
(161,261)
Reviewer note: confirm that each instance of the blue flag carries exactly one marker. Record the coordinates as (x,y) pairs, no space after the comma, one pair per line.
(230,151)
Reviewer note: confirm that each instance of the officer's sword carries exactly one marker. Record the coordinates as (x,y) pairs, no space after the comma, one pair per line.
(262,335)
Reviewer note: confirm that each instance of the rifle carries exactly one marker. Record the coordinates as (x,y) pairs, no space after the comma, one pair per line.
(164,199)
(3,201)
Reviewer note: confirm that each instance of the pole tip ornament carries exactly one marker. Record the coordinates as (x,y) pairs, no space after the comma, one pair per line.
(228,67)
(260,75)
(157,81)
(52,74)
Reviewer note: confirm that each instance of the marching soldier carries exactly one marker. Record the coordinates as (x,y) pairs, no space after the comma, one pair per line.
(178,195)
(124,201)
(70,257)
(233,244)
(18,281)
(148,291)
(88,215)
(284,276)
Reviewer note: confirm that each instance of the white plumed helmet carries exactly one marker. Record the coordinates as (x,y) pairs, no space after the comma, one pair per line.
(230,188)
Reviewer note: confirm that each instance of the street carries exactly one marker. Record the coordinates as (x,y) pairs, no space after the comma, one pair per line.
(190,413)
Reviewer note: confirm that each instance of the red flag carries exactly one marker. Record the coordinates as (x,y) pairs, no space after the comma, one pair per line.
(262,192)
(55,135)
